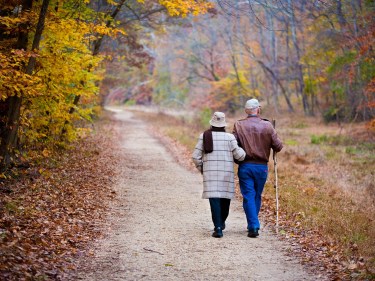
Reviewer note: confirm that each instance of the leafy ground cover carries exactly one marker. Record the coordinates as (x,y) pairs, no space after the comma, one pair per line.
(326,189)
(51,210)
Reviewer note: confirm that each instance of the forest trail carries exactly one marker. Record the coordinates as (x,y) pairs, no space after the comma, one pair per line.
(161,228)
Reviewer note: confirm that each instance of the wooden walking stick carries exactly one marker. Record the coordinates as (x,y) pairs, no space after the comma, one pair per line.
(275,182)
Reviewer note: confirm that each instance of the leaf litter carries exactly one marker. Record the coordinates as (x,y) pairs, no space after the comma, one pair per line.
(51,212)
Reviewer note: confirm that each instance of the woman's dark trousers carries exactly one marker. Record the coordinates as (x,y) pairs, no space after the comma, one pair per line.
(219,211)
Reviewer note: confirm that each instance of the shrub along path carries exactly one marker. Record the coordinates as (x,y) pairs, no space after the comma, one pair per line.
(160,228)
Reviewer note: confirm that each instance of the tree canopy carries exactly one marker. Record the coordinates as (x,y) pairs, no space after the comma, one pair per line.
(52,58)
(61,60)
(293,54)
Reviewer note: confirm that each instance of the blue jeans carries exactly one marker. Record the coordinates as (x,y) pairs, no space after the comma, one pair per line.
(252,178)
(219,211)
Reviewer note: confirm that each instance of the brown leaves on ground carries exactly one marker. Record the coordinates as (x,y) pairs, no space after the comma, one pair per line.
(52,210)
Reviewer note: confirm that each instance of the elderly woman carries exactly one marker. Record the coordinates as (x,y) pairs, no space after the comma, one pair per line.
(213,156)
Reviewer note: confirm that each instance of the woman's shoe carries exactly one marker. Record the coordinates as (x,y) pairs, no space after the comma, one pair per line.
(218,233)
(222,228)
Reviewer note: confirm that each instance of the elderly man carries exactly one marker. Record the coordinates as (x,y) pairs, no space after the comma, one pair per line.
(256,136)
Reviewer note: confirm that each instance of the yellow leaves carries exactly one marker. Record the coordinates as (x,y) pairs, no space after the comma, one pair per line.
(117,31)
(112,2)
(102,29)
(84,132)
(10,22)
(233,84)
(184,7)
(46,153)
(121,57)
(66,69)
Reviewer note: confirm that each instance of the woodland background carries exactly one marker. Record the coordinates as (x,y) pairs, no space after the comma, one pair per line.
(62,61)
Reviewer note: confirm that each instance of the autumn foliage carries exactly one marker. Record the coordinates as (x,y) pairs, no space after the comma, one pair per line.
(60,61)
(51,182)
(314,57)
(51,67)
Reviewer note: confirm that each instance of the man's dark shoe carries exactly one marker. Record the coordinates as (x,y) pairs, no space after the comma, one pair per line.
(253,233)
(218,233)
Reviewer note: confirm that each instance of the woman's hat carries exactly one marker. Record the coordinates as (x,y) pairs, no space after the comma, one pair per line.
(218,120)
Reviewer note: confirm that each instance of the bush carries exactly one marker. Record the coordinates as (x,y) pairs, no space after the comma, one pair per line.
(300,125)
(130,102)
(205,116)
(333,114)
(318,139)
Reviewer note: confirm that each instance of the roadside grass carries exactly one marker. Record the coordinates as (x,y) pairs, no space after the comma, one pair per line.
(340,228)
(183,134)
(308,203)
(184,131)
(326,183)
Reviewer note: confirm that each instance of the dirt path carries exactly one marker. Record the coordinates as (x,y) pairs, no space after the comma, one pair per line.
(161,228)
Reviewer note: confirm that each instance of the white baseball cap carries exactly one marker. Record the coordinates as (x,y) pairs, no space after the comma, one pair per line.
(252,104)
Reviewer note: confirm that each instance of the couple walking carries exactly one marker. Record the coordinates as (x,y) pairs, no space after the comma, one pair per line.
(250,145)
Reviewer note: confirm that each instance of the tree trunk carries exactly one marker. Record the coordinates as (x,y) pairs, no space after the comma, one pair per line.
(12,109)
(301,84)
(340,14)
(273,40)
(268,70)
(273,76)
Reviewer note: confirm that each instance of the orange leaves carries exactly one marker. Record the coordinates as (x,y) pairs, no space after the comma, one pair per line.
(371,125)
(13,80)
(16,21)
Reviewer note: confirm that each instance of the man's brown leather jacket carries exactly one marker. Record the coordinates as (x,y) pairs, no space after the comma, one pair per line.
(256,136)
